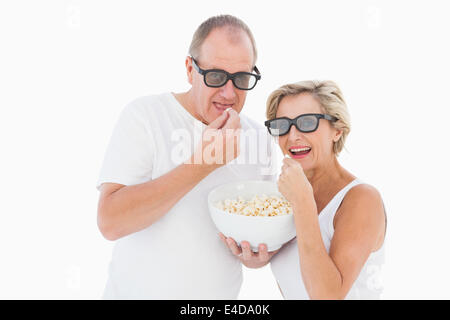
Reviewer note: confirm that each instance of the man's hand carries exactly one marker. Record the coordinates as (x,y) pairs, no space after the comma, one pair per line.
(249,258)
(220,141)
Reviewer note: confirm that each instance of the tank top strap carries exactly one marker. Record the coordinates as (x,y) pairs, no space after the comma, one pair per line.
(326,216)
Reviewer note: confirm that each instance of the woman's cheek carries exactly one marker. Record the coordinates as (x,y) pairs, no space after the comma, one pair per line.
(281,143)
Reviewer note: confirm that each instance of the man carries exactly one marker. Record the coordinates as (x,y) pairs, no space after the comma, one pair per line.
(155,207)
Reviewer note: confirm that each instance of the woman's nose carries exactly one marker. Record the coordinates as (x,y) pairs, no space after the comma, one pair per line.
(293,133)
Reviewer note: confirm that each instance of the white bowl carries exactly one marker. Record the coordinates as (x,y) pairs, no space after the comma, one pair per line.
(272,231)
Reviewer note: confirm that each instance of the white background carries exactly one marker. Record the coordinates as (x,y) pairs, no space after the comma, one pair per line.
(67,69)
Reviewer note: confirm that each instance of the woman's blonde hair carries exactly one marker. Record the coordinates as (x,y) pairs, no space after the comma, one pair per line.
(327,94)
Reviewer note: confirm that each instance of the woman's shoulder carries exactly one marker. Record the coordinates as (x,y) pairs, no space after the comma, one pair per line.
(363,193)
(363,203)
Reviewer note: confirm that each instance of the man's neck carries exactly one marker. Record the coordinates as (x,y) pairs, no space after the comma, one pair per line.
(186,101)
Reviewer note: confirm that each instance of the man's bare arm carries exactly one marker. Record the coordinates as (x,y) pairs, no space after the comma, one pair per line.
(123,210)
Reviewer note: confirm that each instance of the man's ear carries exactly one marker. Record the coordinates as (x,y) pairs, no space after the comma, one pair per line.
(189,68)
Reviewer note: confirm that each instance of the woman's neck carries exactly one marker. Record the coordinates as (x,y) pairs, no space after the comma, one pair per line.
(329,175)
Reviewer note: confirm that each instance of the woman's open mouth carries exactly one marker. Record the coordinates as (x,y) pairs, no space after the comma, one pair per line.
(299,152)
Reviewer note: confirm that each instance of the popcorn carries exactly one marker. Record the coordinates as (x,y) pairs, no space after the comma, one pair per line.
(263,206)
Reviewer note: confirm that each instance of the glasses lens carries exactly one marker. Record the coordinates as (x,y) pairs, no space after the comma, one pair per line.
(279,127)
(215,78)
(244,81)
(307,123)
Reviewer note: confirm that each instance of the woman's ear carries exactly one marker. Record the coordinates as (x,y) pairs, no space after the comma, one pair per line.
(189,68)
(337,135)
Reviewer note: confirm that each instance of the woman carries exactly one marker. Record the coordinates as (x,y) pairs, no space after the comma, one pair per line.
(340,221)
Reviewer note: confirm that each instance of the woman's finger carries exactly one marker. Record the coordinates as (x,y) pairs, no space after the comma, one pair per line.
(287,161)
(280,184)
(291,162)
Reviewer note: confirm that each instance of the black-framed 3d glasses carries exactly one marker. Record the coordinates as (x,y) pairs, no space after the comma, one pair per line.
(304,123)
(216,78)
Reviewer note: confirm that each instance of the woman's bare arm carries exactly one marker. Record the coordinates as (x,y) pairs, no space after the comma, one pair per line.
(359,230)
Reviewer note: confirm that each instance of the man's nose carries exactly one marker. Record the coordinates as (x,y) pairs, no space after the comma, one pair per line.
(228,90)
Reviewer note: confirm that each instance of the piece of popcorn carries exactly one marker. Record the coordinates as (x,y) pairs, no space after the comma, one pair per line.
(264,205)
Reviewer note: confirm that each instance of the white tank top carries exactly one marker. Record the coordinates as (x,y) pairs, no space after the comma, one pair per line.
(286,265)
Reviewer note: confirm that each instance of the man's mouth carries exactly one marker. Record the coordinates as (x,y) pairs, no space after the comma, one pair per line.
(299,152)
(222,106)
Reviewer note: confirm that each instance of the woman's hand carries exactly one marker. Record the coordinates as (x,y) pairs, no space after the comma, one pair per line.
(293,184)
(249,258)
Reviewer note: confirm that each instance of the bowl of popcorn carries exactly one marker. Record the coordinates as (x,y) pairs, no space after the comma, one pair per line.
(252,211)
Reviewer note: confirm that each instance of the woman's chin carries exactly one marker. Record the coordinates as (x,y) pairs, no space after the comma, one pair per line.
(306,165)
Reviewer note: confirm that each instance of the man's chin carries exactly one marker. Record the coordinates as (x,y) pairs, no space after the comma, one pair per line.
(213,114)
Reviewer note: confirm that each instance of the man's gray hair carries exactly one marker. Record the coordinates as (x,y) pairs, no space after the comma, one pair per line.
(215,22)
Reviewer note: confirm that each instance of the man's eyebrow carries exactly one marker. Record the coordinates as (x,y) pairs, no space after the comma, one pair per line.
(250,68)
(218,68)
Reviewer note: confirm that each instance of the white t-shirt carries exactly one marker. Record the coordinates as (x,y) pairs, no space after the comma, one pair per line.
(181,255)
